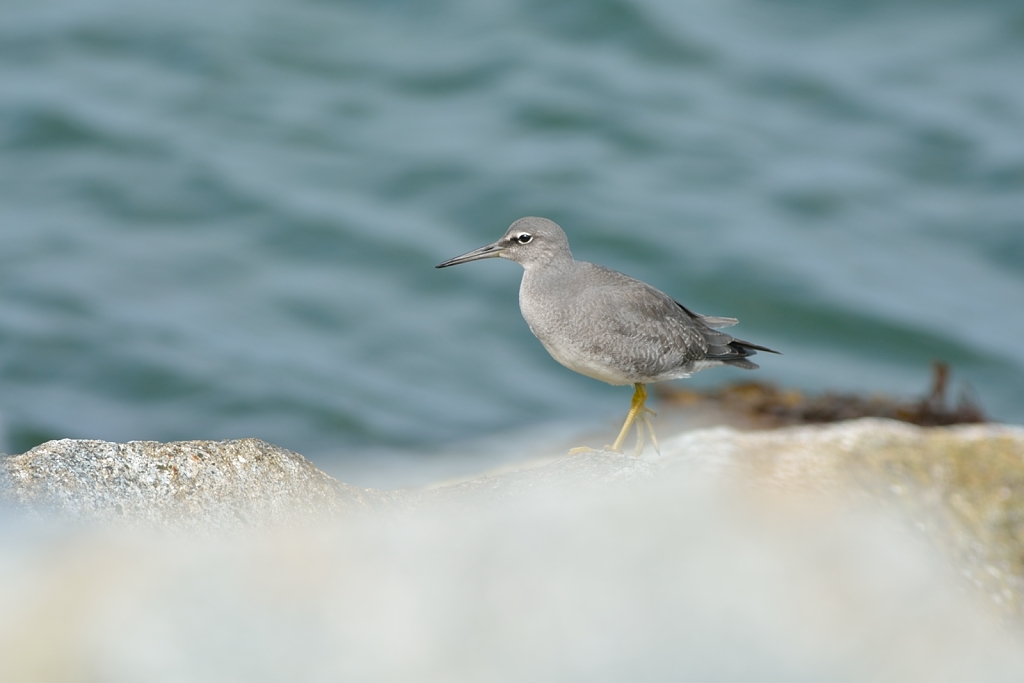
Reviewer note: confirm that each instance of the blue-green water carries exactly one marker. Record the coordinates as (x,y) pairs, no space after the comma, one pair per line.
(220,218)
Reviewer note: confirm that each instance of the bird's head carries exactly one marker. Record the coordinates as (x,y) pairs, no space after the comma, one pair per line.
(528,241)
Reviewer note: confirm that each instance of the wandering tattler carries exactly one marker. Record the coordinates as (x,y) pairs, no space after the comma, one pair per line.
(607,325)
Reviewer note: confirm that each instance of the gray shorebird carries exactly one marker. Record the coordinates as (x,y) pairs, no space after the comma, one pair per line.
(607,325)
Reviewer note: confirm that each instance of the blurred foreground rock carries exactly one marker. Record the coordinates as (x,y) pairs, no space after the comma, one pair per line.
(735,556)
(963,486)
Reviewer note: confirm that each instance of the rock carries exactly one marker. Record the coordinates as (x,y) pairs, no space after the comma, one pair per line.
(580,473)
(225,484)
(208,484)
(696,565)
(963,485)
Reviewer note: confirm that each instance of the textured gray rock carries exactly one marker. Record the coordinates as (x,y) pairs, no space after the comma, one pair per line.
(185,483)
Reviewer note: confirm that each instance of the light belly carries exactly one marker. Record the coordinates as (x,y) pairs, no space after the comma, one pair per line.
(587,365)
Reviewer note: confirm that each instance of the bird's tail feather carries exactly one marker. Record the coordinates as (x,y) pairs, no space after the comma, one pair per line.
(716,322)
(736,353)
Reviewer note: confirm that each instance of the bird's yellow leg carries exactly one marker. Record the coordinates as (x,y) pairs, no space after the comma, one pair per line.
(639,437)
(650,428)
(636,409)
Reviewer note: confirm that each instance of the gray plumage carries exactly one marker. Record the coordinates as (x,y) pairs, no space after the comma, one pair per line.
(602,323)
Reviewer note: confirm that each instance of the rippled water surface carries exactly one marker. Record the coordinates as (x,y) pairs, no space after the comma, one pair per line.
(220,219)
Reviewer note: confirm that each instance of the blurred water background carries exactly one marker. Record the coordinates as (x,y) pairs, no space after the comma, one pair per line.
(220,219)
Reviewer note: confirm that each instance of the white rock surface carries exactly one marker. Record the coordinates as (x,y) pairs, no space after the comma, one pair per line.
(735,557)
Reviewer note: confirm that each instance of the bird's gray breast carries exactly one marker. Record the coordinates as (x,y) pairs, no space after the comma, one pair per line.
(608,326)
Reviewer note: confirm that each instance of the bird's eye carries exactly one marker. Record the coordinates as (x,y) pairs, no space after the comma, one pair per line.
(524,238)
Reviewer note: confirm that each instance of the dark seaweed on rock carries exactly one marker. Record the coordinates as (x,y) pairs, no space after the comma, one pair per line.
(780,407)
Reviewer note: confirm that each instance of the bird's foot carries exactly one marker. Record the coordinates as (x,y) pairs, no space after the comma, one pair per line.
(582,449)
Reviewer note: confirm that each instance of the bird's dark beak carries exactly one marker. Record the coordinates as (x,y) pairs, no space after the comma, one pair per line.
(490,251)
